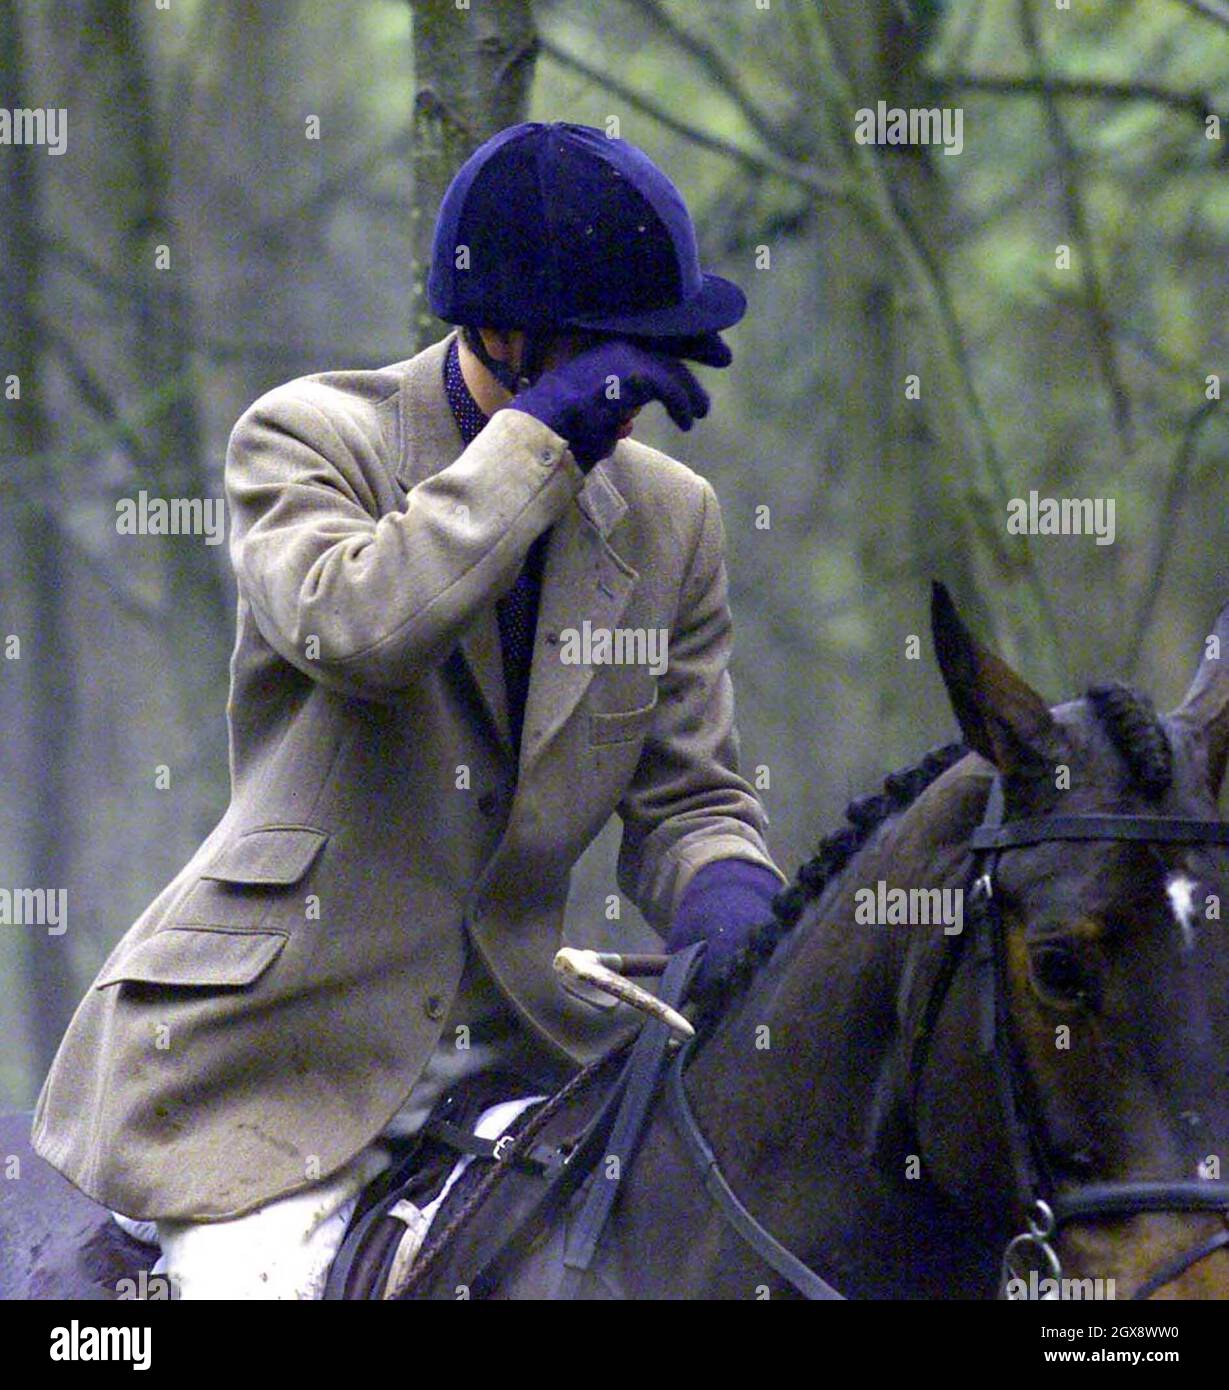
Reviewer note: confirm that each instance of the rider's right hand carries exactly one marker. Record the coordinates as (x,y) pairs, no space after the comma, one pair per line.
(587,398)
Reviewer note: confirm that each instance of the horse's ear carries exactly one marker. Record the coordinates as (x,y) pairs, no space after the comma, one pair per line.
(1205,707)
(1001,716)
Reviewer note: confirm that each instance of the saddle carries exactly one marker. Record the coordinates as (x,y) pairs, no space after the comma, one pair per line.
(517,1207)
(520,1185)
(62,1245)
(386,1226)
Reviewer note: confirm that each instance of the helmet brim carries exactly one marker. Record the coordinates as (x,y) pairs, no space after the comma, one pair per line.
(720,304)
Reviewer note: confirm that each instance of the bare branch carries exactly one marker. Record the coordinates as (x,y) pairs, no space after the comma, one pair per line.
(1167,530)
(756,163)
(151,615)
(44,494)
(1215,10)
(713,62)
(1099,325)
(892,222)
(95,395)
(1195,104)
(335,186)
(109,284)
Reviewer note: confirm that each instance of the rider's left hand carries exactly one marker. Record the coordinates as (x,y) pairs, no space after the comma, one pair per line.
(722,905)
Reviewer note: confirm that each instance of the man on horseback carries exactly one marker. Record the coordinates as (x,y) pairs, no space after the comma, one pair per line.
(418,758)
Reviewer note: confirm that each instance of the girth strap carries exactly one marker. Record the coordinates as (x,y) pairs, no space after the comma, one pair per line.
(511,1246)
(541,1159)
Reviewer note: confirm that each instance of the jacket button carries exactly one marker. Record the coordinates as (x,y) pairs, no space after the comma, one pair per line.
(434,1007)
(488,803)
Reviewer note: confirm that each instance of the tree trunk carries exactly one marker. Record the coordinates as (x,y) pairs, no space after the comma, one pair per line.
(919,442)
(473,69)
(45,671)
(198,637)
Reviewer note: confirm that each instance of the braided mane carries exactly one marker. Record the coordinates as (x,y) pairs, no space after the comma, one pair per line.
(863,816)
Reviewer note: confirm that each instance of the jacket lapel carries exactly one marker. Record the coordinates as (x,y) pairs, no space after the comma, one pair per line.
(584,577)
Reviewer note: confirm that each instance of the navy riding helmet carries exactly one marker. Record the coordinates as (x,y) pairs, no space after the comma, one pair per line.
(551,227)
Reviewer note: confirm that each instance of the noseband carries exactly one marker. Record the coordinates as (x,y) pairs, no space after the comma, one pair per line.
(1047,1209)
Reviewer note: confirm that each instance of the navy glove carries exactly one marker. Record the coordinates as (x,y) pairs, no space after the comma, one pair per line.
(572,399)
(709,349)
(723,904)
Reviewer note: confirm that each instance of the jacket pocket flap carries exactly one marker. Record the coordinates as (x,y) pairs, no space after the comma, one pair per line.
(622,725)
(189,956)
(271,854)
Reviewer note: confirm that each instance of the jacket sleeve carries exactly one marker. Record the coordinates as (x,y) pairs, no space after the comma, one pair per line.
(362,602)
(687,805)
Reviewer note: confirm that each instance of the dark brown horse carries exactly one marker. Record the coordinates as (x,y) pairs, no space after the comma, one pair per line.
(897,1100)
(845,1082)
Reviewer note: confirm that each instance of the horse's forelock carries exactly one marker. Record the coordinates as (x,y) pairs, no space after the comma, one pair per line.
(1132,725)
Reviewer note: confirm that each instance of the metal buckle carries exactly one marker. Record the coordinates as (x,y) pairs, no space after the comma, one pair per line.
(1031,1252)
(502,1145)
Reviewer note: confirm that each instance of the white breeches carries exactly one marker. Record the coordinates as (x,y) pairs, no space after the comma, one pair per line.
(282,1250)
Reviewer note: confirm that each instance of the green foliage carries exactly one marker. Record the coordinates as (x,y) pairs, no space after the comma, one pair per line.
(883,263)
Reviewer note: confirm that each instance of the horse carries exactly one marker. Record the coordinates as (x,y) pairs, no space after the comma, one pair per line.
(918,1112)
(980,1044)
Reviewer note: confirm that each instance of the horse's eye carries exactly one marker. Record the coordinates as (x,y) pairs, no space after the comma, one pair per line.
(1059,973)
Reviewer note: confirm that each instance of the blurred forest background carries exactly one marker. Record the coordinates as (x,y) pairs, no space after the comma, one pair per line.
(1091,127)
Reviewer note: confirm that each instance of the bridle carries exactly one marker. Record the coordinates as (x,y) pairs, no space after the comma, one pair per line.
(1046,1209)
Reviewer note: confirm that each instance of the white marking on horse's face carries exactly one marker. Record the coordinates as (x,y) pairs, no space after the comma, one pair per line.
(1181,893)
